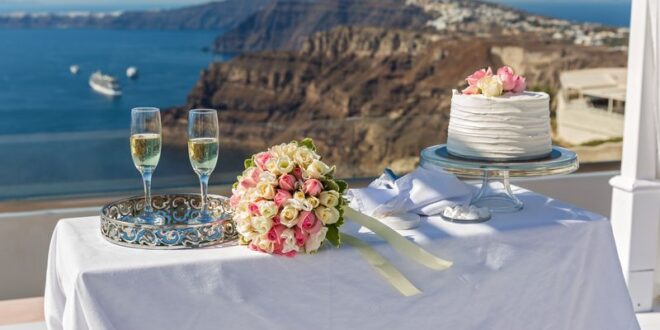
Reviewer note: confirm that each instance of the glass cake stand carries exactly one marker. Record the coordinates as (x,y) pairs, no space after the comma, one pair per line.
(495,192)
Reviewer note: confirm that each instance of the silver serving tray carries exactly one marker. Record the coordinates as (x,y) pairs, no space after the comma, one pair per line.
(118,226)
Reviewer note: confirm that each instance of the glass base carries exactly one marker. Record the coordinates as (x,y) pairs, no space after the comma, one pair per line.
(150,218)
(202,218)
(496,195)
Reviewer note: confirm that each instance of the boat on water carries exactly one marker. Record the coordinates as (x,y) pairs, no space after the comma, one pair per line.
(74,69)
(104,84)
(131,72)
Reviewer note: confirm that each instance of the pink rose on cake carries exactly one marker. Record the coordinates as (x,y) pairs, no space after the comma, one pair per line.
(486,83)
(287,200)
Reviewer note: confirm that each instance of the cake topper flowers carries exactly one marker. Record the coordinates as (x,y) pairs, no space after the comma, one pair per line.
(485,82)
(287,201)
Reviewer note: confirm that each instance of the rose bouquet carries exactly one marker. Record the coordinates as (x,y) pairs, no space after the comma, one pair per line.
(485,82)
(287,201)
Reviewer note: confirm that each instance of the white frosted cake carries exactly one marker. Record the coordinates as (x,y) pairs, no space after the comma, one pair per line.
(513,126)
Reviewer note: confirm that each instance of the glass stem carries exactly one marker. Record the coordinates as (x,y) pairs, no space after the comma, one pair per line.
(146,178)
(204,185)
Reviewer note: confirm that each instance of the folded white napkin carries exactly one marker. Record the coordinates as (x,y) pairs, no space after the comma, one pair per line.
(422,192)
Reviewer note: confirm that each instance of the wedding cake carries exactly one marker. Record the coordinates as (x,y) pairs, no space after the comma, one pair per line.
(496,119)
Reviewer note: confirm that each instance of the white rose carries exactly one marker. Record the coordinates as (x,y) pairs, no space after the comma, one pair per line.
(490,86)
(265,190)
(289,241)
(249,235)
(299,195)
(329,198)
(268,177)
(314,241)
(290,149)
(261,224)
(313,201)
(316,170)
(327,215)
(289,216)
(303,156)
(243,226)
(285,165)
(268,209)
(271,166)
(264,244)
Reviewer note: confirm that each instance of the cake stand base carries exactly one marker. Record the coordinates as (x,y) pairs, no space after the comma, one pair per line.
(496,195)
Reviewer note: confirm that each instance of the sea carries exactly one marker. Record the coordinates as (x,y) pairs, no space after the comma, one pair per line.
(59,138)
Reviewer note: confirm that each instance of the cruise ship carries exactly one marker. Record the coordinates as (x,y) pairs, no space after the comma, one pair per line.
(104,84)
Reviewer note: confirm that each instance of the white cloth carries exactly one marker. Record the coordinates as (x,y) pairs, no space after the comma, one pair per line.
(550,266)
(422,191)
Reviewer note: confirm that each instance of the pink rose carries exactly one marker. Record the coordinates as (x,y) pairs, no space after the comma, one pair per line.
(301,236)
(471,90)
(507,77)
(261,158)
(274,234)
(309,223)
(477,75)
(287,182)
(276,220)
(234,200)
(250,180)
(281,197)
(312,187)
(520,85)
(254,209)
(297,172)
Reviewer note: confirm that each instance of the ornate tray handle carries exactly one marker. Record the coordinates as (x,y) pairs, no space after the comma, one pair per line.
(117,224)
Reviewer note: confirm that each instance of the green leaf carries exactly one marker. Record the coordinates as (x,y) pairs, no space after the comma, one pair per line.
(342,186)
(329,184)
(248,163)
(307,142)
(333,235)
(235,185)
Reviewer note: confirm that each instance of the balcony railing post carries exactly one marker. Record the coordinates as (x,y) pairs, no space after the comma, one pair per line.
(636,191)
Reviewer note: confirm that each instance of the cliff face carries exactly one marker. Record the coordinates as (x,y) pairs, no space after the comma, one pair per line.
(371,97)
(285,24)
(214,15)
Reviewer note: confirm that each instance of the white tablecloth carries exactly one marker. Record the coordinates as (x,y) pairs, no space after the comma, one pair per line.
(550,266)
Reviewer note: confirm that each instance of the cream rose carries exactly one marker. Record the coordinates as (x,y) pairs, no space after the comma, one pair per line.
(329,198)
(261,224)
(268,177)
(263,244)
(289,241)
(490,86)
(299,195)
(289,216)
(267,209)
(315,240)
(265,190)
(316,170)
(313,201)
(327,215)
(305,156)
(285,164)
(271,165)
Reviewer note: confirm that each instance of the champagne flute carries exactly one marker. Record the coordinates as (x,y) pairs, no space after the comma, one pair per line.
(145,150)
(203,152)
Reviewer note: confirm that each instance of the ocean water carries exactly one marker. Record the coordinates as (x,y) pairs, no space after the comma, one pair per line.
(57,136)
(611,14)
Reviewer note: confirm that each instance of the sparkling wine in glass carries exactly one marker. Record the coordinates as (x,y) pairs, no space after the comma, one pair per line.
(145,150)
(203,151)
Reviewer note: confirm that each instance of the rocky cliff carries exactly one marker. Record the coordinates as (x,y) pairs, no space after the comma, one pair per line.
(214,15)
(371,97)
(285,24)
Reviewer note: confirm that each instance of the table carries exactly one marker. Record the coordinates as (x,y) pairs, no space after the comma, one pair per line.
(549,266)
